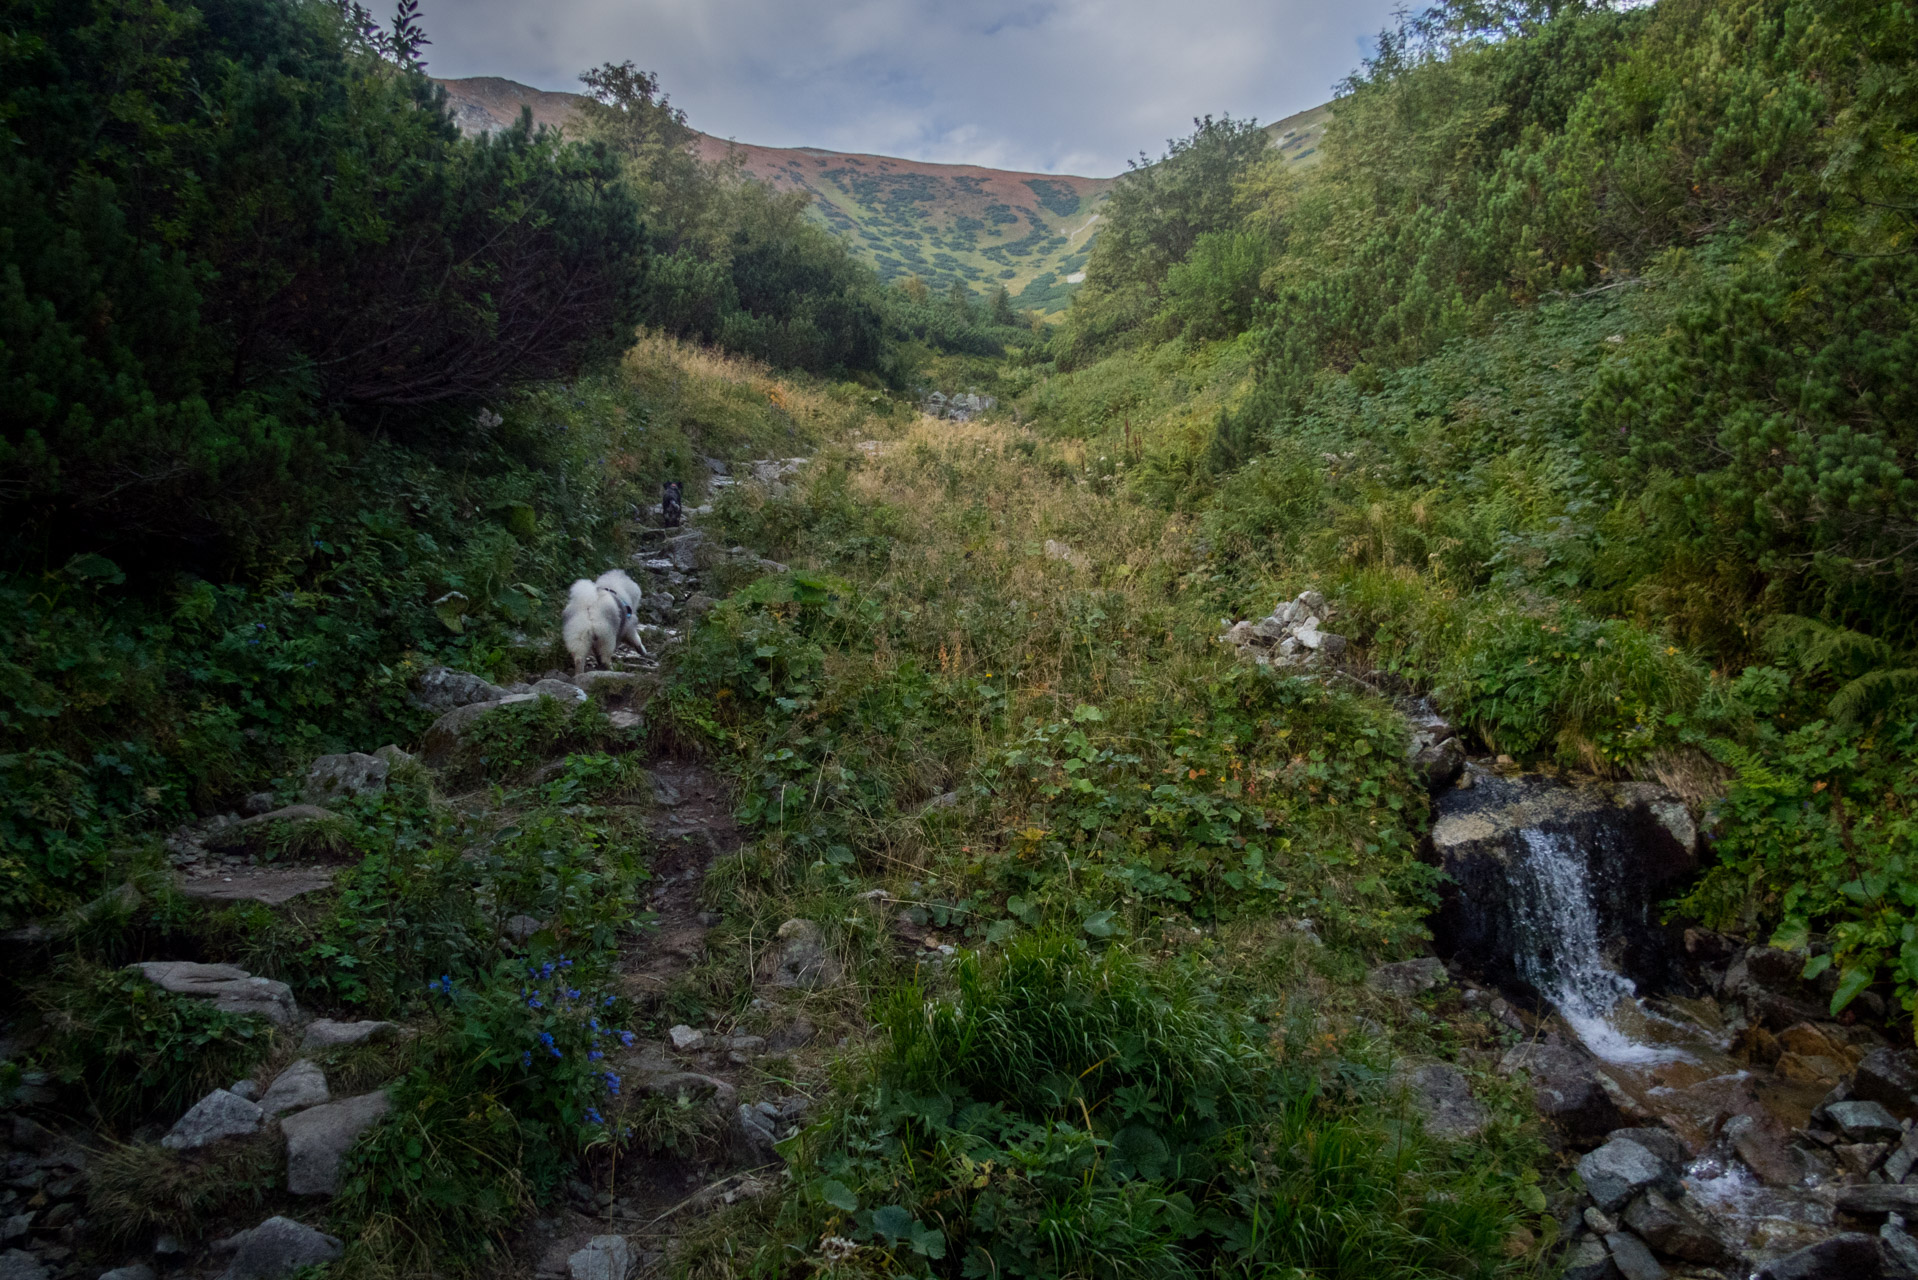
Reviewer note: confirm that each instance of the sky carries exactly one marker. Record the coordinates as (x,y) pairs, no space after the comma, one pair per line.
(1052,86)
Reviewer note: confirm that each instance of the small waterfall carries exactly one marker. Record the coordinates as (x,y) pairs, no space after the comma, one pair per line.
(1558,949)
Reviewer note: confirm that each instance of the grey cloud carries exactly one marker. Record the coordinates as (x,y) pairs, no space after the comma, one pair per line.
(1074,86)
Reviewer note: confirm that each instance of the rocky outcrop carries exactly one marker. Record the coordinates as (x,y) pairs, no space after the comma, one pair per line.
(442,689)
(1635,841)
(1292,635)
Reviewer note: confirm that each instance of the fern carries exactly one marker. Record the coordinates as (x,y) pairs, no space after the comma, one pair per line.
(1872,694)
(1819,648)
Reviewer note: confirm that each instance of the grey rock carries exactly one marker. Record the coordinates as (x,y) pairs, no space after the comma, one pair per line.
(217,1116)
(1620,1169)
(231,989)
(18,1264)
(1899,1164)
(447,735)
(611,685)
(1597,1219)
(16,1226)
(300,1086)
(521,927)
(317,1139)
(799,958)
(1763,1143)
(1444,1097)
(277,1247)
(137,1271)
(354,774)
(1898,1246)
(756,1127)
(443,689)
(1864,1121)
(395,758)
(324,1033)
(1407,977)
(1873,1198)
(248,1089)
(794,1035)
(1588,1260)
(1674,1229)
(1633,1260)
(1888,1077)
(1313,602)
(1851,1256)
(269,887)
(168,1245)
(686,1039)
(1662,1143)
(563,690)
(253,806)
(603,1258)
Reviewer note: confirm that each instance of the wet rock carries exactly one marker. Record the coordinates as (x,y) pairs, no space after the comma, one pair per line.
(352,775)
(324,1033)
(1623,837)
(1808,1068)
(317,1138)
(18,1264)
(1565,1088)
(442,689)
(1433,749)
(1588,1260)
(277,1247)
(1633,1260)
(231,989)
(799,959)
(1408,977)
(1764,1145)
(1864,1121)
(1443,1096)
(300,1086)
(1851,1256)
(1888,1077)
(1662,1143)
(1674,1229)
(446,738)
(1619,1170)
(603,1258)
(213,1118)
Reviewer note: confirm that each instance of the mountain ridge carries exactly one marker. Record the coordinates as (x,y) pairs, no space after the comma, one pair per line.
(1031,232)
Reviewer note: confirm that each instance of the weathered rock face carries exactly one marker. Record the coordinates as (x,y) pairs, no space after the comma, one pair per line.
(352,775)
(231,989)
(1634,841)
(277,1247)
(319,1137)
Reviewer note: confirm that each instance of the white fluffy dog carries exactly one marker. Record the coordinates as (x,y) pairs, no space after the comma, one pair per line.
(599,616)
(617,582)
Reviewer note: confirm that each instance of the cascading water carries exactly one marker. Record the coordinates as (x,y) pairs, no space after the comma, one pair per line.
(1557,945)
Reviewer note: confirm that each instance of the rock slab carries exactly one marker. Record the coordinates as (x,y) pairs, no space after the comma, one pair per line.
(319,1137)
(300,1086)
(1620,1169)
(324,1033)
(1444,1097)
(231,989)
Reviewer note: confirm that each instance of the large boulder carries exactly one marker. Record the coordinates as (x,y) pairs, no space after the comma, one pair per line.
(442,689)
(231,989)
(447,737)
(1850,1256)
(300,1086)
(214,1118)
(1635,843)
(319,1137)
(353,775)
(1566,1088)
(1888,1077)
(277,1247)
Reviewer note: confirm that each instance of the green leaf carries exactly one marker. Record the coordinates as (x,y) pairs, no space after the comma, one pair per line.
(838,1195)
(1083,713)
(1099,924)
(1815,966)
(1792,935)
(1850,983)
(91,565)
(928,1242)
(1532,1198)
(892,1222)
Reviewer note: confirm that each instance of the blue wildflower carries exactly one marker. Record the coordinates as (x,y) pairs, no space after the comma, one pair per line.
(594,1055)
(442,983)
(612,1084)
(593,1115)
(572,993)
(626,1038)
(526,1058)
(607,1002)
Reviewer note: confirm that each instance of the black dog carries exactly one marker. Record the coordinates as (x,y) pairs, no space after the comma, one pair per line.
(669,509)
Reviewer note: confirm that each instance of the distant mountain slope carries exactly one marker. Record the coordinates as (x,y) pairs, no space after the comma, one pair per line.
(1031,232)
